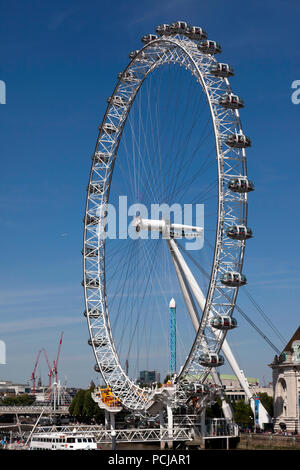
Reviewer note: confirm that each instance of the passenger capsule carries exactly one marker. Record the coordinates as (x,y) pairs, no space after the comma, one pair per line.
(239,141)
(93,313)
(196,33)
(148,38)
(133,54)
(108,128)
(117,101)
(97,368)
(209,47)
(239,232)
(221,70)
(92,220)
(127,76)
(95,188)
(233,279)
(163,30)
(100,157)
(140,56)
(197,389)
(211,360)
(231,101)
(90,251)
(91,282)
(178,27)
(98,342)
(107,368)
(223,323)
(240,185)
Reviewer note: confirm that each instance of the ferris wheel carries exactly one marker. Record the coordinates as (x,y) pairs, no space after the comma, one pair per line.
(171,137)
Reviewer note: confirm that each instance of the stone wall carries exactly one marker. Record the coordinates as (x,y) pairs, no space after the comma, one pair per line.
(268,441)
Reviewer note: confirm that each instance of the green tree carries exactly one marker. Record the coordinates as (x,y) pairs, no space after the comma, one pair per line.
(83,407)
(267,403)
(18,400)
(243,413)
(76,407)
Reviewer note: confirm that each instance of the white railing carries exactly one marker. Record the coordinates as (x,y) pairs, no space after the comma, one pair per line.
(33,409)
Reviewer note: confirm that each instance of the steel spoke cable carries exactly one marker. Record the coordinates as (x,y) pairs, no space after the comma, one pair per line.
(265,317)
(236,306)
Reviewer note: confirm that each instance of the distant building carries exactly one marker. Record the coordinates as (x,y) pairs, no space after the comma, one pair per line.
(235,392)
(149,376)
(286,386)
(8,388)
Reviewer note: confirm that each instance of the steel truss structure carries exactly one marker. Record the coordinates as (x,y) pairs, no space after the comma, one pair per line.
(183,430)
(232,211)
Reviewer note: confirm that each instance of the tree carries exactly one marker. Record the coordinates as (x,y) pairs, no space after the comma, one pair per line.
(76,407)
(83,407)
(243,413)
(18,400)
(267,402)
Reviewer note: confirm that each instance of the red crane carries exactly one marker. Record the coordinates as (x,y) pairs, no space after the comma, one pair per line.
(55,363)
(50,374)
(53,371)
(33,377)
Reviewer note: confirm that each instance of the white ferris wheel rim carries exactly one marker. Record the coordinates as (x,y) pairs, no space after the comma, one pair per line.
(182,51)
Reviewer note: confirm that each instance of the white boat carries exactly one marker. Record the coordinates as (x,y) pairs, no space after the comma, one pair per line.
(55,440)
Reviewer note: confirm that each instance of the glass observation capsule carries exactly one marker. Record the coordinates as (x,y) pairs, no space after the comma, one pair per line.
(196,389)
(95,188)
(100,157)
(91,282)
(240,185)
(231,101)
(92,220)
(90,251)
(209,47)
(107,368)
(223,323)
(163,30)
(221,70)
(239,232)
(93,313)
(178,27)
(117,101)
(196,33)
(96,368)
(98,342)
(148,38)
(233,279)
(140,56)
(239,141)
(127,76)
(108,128)
(211,360)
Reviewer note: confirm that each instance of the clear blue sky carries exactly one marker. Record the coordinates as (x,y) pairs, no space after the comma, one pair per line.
(59,61)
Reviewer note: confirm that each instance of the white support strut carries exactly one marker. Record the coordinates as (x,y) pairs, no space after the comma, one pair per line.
(227,411)
(180,262)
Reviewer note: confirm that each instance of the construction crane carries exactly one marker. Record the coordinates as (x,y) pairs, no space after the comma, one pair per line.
(33,376)
(55,363)
(53,370)
(50,374)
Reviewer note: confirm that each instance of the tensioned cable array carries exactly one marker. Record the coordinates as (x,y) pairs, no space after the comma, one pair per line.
(239,308)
